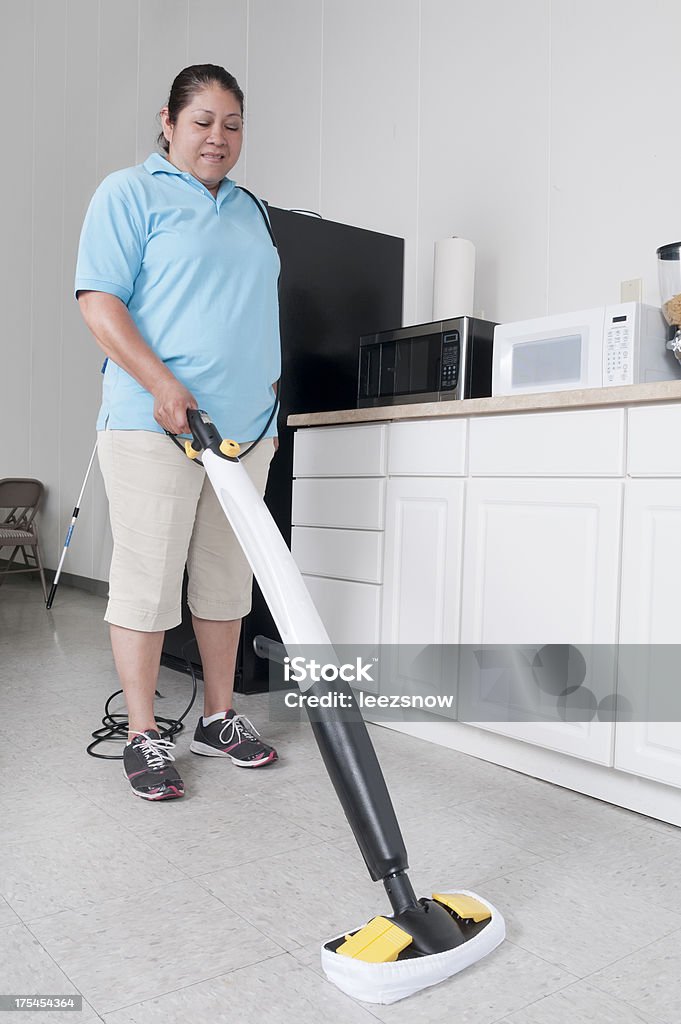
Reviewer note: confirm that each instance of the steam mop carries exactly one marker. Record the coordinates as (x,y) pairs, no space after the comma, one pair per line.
(424,940)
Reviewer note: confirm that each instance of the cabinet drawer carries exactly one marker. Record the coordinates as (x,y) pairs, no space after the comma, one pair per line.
(356,504)
(351,612)
(581,443)
(358,450)
(345,554)
(427,448)
(654,441)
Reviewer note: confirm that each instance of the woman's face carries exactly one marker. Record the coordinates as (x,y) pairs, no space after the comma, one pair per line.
(207,135)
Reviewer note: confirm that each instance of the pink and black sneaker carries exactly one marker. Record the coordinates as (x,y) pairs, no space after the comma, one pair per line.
(146,764)
(235,737)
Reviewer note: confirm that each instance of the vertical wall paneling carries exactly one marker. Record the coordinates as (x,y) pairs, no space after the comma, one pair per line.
(544,130)
(80,356)
(370,118)
(284,102)
(162,53)
(615,150)
(118,85)
(47,239)
(217,34)
(484,148)
(17,55)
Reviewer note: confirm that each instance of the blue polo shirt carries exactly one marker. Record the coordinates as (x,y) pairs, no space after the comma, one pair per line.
(198,274)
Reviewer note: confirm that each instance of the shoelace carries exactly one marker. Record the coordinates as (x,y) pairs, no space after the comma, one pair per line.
(236,726)
(155,751)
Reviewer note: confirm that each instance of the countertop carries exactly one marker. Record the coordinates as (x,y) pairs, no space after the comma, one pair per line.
(586,398)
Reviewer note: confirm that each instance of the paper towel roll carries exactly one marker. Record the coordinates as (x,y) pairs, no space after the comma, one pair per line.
(453,278)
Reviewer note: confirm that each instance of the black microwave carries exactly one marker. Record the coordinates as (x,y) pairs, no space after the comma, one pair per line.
(435,362)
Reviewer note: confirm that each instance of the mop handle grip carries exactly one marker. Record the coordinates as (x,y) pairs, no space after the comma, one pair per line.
(206,436)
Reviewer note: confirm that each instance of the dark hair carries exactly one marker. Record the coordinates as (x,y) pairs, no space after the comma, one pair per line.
(190,81)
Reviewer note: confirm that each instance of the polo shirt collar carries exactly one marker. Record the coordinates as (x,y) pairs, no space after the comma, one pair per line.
(157,164)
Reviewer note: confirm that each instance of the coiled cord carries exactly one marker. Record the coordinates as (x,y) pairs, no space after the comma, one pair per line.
(115,726)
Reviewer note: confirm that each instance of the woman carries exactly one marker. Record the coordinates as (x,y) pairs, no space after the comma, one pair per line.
(177,280)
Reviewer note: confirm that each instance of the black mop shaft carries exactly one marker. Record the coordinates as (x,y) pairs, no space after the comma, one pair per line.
(354,770)
(69,532)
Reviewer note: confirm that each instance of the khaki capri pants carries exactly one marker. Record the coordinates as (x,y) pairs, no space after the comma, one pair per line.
(164,513)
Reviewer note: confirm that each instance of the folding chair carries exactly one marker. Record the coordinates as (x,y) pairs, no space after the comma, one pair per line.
(21,498)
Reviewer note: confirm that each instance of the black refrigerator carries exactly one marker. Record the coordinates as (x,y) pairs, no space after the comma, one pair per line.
(337,283)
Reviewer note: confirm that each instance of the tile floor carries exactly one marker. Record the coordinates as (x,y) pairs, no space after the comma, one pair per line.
(213,908)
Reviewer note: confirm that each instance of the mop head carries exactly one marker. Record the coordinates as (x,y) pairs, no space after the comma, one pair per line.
(378,962)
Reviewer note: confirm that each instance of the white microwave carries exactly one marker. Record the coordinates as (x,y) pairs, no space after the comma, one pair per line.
(594,348)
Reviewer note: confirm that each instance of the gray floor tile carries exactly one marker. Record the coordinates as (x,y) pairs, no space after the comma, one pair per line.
(580,1003)
(279,991)
(46,875)
(7,915)
(546,820)
(641,862)
(650,979)
(310,895)
(575,923)
(33,810)
(496,986)
(26,969)
(132,948)
(570,874)
(445,851)
(209,834)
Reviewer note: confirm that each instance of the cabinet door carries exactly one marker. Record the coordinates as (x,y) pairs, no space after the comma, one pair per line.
(540,581)
(350,611)
(650,635)
(422,560)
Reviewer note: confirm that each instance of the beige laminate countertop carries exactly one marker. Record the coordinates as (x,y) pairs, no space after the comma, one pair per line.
(586,398)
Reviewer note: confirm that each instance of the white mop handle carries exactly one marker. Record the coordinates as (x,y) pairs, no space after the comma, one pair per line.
(273,566)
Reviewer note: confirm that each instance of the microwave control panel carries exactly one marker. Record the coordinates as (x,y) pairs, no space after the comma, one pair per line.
(451,347)
(618,348)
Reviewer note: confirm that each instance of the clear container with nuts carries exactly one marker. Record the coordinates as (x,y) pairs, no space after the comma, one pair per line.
(669,267)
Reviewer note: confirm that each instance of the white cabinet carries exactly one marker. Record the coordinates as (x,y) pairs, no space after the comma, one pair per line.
(337,520)
(541,561)
(355,504)
(575,443)
(342,554)
(354,451)
(422,565)
(653,447)
(650,631)
(351,612)
(427,447)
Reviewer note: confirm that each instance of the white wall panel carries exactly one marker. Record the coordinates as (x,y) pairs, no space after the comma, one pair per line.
(484,148)
(217,32)
(283,102)
(370,118)
(16,185)
(615,147)
(162,53)
(48,230)
(79,383)
(117,74)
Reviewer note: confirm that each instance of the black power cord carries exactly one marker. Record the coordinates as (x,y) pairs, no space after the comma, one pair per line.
(115,726)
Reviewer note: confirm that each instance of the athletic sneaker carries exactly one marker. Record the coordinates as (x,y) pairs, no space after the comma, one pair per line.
(235,737)
(145,763)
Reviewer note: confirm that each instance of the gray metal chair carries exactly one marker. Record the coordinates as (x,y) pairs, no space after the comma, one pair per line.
(20,499)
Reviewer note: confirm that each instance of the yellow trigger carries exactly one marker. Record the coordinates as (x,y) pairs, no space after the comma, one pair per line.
(230,448)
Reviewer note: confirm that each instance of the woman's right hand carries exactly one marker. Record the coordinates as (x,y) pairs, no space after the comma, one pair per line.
(171,401)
